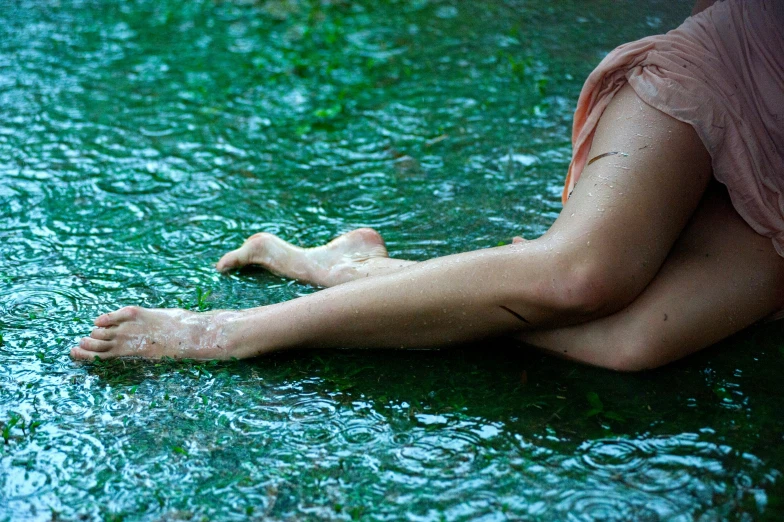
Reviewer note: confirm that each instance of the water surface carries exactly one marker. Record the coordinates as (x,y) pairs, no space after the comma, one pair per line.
(141,139)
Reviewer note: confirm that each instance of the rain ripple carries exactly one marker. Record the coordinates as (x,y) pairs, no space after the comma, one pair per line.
(263,420)
(23,303)
(182,237)
(607,506)
(137,182)
(17,482)
(656,465)
(312,422)
(73,456)
(367,429)
(66,404)
(440,454)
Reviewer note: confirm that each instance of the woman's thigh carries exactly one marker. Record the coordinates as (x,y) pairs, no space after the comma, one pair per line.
(632,203)
(720,277)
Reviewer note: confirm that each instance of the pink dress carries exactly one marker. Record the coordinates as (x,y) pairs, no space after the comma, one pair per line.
(722,72)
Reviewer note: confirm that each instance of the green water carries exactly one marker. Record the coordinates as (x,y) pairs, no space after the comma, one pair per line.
(139,140)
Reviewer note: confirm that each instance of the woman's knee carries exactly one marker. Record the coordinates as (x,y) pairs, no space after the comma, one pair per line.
(587,286)
(637,344)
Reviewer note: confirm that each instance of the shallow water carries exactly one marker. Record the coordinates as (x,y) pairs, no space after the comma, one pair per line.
(140,140)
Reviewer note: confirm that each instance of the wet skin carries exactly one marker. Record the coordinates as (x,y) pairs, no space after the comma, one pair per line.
(154,333)
(599,257)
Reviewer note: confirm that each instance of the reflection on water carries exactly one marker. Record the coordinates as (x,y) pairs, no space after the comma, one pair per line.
(140,140)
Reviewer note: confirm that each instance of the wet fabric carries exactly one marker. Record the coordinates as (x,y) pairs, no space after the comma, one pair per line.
(722,72)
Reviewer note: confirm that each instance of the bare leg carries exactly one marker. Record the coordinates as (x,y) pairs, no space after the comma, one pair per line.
(598,256)
(354,255)
(674,316)
(720,278)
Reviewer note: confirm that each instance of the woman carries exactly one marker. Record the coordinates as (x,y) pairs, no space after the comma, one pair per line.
(651,258)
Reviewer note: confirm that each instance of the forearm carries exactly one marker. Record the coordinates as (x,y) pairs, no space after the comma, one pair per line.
(448,300)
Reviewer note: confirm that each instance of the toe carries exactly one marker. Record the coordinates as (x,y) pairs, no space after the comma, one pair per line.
(103,321)
(128,313)
(251,252)
(79,354)
(95,345)
(103,334)
(229,261)
(365,240)
(368,235)
(517,239)
(360,237)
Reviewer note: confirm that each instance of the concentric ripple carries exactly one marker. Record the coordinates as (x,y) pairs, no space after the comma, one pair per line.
(363,432)
(263,420)
(75,457)
(65,403)
(138,182)
(615,456)
(23,303)
(434,455)
(600,505)
(18,483)
(312,422)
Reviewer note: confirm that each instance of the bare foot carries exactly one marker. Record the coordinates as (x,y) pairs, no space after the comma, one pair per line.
(157,333)
(327,265)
